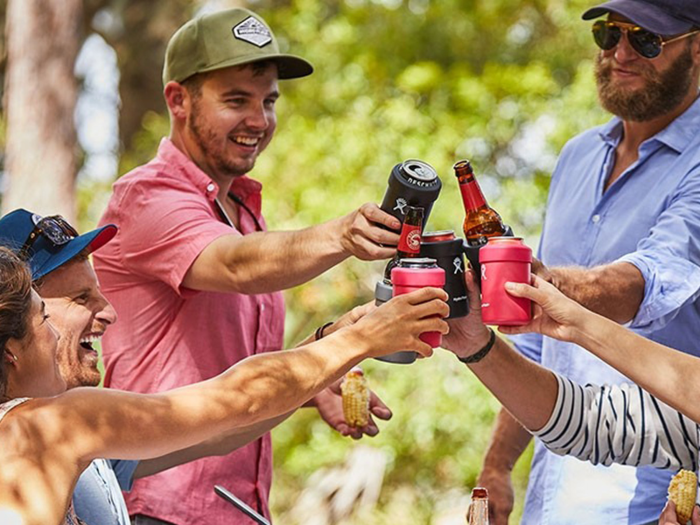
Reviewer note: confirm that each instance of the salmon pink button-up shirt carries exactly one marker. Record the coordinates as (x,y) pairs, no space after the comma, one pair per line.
(168,336)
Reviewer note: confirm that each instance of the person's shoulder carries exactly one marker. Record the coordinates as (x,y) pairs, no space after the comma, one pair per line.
(151,183)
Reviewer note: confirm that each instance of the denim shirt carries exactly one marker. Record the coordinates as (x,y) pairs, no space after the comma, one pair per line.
(649,217)
(98,498)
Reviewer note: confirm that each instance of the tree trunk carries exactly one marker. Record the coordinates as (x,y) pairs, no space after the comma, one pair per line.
(43,39)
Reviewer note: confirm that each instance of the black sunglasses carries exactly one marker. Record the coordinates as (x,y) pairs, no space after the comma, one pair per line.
(649,45)
(53,228)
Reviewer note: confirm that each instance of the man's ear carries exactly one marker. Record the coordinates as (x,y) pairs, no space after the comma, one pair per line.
(178,100)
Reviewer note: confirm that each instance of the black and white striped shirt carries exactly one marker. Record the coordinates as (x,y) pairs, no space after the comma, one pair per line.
(619,424)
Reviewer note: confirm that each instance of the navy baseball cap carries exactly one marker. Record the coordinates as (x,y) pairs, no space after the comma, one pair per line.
(54,242)
(664,17)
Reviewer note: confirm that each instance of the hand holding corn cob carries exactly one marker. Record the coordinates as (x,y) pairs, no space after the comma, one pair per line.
(683,491)
(355,391)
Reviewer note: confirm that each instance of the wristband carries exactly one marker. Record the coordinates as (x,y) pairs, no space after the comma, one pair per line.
(478,356)
(318,334)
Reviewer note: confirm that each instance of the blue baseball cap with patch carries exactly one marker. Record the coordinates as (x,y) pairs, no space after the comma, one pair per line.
(665,17)
(48,243)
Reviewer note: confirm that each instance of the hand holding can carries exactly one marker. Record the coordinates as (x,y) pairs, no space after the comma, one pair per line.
(504,259)
(412,274)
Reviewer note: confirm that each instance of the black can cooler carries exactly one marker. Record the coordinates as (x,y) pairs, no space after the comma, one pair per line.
(448,251)
(411,183)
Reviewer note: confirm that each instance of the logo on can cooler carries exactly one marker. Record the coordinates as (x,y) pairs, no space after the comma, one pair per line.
(401,205)
(458,265)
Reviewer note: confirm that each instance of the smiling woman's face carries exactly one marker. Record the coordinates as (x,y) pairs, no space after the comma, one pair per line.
(35,373)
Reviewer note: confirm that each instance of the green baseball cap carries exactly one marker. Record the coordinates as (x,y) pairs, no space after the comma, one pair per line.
(223,39)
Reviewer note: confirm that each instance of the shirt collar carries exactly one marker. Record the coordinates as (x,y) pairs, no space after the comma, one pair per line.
(677,135)
(244,186)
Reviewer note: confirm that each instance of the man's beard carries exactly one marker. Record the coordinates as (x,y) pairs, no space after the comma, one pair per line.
(75,370)
(663,92)
(205,138)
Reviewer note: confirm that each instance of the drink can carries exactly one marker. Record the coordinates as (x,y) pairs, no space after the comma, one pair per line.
(448,251)
(411,183)
(504,259)
(413,274)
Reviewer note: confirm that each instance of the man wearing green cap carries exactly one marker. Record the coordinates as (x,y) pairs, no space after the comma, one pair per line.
(193,273)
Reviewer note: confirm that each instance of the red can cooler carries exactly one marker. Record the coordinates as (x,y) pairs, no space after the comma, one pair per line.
(413,274)
(504,259)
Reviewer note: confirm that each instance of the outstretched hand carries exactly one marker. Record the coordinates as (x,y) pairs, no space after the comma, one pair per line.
(363,237)
(555,315)
(397,324)
(330,407)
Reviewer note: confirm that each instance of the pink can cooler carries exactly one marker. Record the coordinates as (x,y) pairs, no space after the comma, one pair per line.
(504,259)
(413,274)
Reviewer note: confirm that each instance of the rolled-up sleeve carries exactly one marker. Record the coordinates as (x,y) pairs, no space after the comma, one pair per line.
(619,424)
(669,259)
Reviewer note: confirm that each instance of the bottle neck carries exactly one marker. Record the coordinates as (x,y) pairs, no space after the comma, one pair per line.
(409,242)
(472,197)
(478,512)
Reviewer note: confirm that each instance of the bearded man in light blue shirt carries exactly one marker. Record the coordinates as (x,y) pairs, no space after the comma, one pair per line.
(622,237)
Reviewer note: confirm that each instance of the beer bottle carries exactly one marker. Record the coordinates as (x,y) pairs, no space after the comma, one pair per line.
(481,221)
(409,241)
(478,513)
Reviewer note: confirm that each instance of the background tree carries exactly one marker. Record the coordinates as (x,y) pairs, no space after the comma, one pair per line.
(41,92)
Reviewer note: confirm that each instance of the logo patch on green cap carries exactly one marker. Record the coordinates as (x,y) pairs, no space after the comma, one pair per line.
(253,32)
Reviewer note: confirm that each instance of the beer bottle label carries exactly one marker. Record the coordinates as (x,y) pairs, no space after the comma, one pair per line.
(471,195)
(410,239)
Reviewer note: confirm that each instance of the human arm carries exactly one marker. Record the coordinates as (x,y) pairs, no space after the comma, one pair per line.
(57,437)
(619,424)
(525,389)
(221,445)
(667,256)
(508,442)
(603,425)
(664,372)
(270,261)
(217,446)
(329,402)
(613,290)
(508,438)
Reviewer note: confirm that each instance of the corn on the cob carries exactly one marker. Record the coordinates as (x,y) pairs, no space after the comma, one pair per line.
(355,391)
(682,491)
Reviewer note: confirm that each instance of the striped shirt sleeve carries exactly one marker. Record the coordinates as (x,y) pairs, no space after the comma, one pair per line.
(619,424)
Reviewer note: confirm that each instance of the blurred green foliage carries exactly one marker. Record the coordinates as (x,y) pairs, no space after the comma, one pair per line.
(504,83)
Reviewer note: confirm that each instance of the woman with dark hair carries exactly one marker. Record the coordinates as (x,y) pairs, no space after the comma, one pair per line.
(49,435)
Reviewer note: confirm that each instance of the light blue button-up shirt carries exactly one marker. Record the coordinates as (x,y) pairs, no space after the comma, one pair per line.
(649,217)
